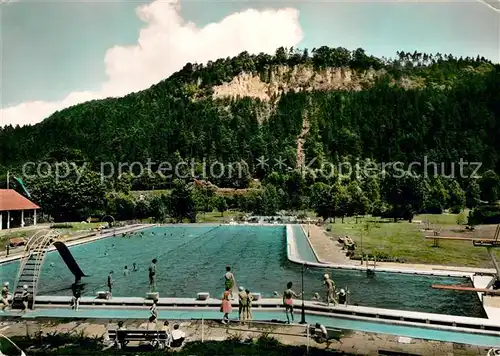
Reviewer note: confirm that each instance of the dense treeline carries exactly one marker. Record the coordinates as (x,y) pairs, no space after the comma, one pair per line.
(387,193)
(453,114)
(446,114)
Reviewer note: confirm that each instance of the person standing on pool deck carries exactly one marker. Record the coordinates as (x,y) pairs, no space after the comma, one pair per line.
(110,283)
(5,296)
(248,309)
(226,307)
(242,303)
(330,289)
(154,314)
(152,275)
(229,281)
(77,293)
(25,297)
(288,296)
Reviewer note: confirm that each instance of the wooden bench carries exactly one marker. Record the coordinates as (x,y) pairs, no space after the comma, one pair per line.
(395,353)
(123,337)
(477,241)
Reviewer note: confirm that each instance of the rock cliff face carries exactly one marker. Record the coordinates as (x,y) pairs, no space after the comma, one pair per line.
(282,79)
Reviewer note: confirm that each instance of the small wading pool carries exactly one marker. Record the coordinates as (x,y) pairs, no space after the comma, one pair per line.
(192,259)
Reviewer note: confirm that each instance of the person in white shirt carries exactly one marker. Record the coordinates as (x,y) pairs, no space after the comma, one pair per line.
(5,296)
(178,336)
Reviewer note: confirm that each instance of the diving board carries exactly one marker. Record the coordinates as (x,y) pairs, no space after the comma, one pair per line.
(466,289)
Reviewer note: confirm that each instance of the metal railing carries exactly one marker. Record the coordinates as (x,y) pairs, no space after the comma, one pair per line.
(250,327)
(28,251)
(37,246)
(42,247)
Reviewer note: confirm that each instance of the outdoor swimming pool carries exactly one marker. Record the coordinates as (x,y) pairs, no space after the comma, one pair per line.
(192,259)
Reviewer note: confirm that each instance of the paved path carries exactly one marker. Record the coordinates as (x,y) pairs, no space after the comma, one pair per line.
(329,250)
(359,343)
(326,248)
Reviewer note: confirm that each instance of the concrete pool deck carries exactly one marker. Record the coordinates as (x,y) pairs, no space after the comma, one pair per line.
(484,338)
(427,320)
(357,342)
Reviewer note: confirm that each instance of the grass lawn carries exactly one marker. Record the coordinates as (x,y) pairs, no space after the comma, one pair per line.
(405,241)
(440,219)
(215,216)
(149,193)
(27,233)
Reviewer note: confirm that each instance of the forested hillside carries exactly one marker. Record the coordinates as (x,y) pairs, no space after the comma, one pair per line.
(332,105)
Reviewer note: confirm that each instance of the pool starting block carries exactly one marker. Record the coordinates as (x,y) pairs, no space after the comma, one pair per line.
(255,296)
(152,295)
(102,295)
(203,296)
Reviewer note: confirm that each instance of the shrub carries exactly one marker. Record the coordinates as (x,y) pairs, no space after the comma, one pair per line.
(487,214)
(61,226)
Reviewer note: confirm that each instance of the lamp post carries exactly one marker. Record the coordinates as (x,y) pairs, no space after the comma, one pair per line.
(303,314)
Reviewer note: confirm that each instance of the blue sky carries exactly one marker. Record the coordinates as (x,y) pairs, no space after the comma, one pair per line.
(52,49)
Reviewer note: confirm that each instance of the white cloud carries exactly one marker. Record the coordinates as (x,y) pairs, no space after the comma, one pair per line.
(165,44)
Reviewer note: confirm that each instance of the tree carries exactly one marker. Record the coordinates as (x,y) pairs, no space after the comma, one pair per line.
(159,206)
(438,198)
(295,189)
(342,199)
(322,200)
(490,186)
(473,194)
(72,198)
(461,218)
(220,204)
(142,209)
(203,197)
(405,193)
(457,198)
(358,203)
(264,202)
(181,202)
(121,206)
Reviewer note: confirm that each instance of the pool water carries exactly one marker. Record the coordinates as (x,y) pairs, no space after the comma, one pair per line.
(192,259)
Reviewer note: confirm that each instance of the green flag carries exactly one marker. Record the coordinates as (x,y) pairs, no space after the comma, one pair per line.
(20,181)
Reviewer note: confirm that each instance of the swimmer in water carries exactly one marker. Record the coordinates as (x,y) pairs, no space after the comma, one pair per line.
(126,271)
(52,264)
(134,266)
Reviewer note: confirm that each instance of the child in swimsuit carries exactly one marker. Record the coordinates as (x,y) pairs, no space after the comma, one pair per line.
(226,307)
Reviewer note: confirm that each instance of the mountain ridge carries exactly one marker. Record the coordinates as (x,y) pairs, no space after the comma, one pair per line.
(331,104)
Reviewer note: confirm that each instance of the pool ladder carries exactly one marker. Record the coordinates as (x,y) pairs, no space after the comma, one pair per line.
(31,266)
